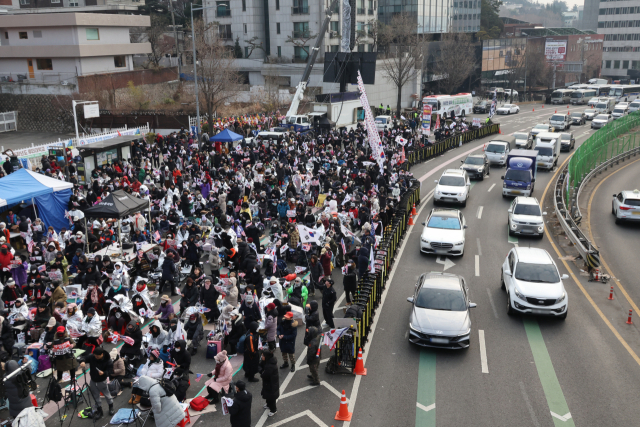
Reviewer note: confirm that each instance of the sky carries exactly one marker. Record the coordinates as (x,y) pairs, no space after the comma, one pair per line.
(570,3)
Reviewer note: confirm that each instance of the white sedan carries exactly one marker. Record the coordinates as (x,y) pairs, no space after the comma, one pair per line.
(508,109)
(443,233)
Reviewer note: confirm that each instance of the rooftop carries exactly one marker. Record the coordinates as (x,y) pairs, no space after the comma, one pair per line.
(73,20)
(561,31)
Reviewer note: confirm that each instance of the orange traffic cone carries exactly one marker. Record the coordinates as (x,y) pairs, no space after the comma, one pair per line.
(555,112)
(411,220)
(542,105)
(360,369)
(534,109)
(567,107)
(343,414)
(413,209)
(500,131)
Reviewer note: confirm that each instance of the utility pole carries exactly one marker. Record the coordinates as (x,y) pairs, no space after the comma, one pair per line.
(175,35)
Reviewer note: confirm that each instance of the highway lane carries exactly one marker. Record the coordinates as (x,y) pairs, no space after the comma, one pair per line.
(513,389)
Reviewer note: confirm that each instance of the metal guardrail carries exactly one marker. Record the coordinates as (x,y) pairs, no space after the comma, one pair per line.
(570,216)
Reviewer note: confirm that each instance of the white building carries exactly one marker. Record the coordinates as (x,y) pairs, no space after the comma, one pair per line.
(620,23)
(51,48)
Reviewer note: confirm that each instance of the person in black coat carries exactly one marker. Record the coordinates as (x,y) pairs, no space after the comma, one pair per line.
(180,355)
(312,318)
(251,362)
(350,281)
(11,390)
(240,411)
(328,302)
(287,333)
(91,274)
(238,330)
(270,381)
(190,295)
(315,271)
(168,271)
(208,298)
(192,256)
(250,311)
(6,335)
(363,260)
(253,233)
(131,351)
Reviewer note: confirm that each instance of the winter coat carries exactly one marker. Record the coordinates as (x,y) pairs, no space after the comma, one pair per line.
(161,340)
(250,313)
(190,295)
(271,325)
(312,341)
(182,358)
(270,379)
(194,330)
(313,318)
(325,260)
(298,295)
(223,380)
(58,295)
(294,238)
(168,269)
(350,280)
(282,209)
(209,297)
(167,410)
(251,362)
(288,331)
(238,330)
(152,369)
(240,411)
(315,272)
(105,365)
(118,367)
(232,296)
(11,389)
(363,261)
(165,311)
(328,298)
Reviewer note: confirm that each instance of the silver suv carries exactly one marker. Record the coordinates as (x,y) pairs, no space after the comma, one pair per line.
(525,217)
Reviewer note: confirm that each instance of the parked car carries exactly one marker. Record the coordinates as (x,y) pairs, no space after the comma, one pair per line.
(508,109)
(384,123)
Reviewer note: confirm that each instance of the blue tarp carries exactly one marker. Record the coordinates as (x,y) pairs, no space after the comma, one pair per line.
(226,136)
(51,195)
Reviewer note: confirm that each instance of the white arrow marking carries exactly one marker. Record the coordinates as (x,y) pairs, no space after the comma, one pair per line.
(565,417)
(426,408)
(446,262)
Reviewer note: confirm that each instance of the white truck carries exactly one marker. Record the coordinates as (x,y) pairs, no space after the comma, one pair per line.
(548,146)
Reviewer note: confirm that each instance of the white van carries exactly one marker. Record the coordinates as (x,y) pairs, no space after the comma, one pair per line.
(605,105)
(548,146)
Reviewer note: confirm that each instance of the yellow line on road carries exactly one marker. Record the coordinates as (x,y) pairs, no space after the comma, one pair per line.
(575,279)
(604,264)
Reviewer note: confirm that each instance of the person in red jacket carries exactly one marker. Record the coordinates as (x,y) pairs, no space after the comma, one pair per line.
(5,262)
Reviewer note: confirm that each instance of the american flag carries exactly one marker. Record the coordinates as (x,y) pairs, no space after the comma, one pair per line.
(156,236)
(32,243)
(275,262)
(344,248)
(224,329)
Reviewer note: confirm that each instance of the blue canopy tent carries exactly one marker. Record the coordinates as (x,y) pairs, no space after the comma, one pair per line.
(50,195)
(226,136)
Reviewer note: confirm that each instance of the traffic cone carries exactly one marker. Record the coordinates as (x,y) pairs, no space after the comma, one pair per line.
(500,131)
(360,369)
(343,414)
(567,107)
(411,220)
(534,109)
(542,105)
(555,112)
(413,209)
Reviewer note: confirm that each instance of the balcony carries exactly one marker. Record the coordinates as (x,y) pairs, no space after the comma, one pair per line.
(370,12)
(360,11)
(226,13)
(300,10)
(301,34)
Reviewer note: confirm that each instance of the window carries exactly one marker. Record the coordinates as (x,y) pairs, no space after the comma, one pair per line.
(360,48)
(300,7)
(300,29)
(24,2)
(245,28)
(246,51)
(120,61)
(277,28)
(279,51)
(93,34)
(55,1)
(44,64)
(23,35)
(244,5)
(335,48)
(222,9)
(370,48)
(37,34)
(625,64)
(277,4)
(616,64)
(334,27)
(301,53)
(6,35)
(224,32)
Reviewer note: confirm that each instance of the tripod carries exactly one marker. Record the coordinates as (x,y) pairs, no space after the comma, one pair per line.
(52,380)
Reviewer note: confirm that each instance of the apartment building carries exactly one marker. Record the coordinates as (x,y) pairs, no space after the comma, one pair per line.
(435,16)
(619,21)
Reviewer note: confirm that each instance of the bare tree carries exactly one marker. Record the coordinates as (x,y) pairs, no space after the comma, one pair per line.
(218,77)
(403,52)
(155,36)
(456,61)
(301,41)
(253,45)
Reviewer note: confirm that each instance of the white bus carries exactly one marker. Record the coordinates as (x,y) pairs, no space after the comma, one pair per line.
(443,105)
(624,93)
(561,96)
(582,96)
(604,90)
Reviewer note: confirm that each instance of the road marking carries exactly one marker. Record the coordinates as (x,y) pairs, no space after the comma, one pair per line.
(477,265)
(426,408)
(356,382)
(491,188)
(579,284)
(446,262)
(529,406)
(510,238)
(493,305)
(564,417)
(426,397)
(473,184)
(308,413)
(483,352)
(480,212)
(479,247)
(448,162)
(548,379)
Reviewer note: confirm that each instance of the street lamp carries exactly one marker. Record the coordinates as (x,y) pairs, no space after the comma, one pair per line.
(195,72)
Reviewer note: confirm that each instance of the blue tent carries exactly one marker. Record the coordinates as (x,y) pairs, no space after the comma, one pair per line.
(226,136)
(50,195)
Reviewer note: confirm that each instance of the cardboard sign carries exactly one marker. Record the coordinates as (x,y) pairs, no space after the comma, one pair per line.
(291,213)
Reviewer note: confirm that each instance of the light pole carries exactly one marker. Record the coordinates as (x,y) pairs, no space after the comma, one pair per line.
(195,72)
(75,116)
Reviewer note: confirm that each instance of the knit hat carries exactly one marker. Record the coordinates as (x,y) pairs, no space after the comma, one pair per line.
(113,353)
(221,357)
(273,279)
(270,306)
(249,299)
(91,310)
(51,323)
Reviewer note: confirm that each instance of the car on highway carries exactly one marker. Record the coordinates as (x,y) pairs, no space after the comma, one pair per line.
(626,206)
(384,123)
(482,107)
(523,140)
(533,283)
(440,312)
(453,187)
(634,106)
(593,101)
(601,120)
(476,165)
(590,113)
(508,109)
(498,149)
(619,111)
(567,141)
(525,217)
(443,232)
(542,127)
(578,118)
(560,122)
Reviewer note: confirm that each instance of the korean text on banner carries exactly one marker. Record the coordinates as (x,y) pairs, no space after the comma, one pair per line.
(426,119)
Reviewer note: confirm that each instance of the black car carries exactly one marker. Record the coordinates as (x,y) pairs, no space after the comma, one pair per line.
(578,118)
(482,107)
(567,141)
(476,166)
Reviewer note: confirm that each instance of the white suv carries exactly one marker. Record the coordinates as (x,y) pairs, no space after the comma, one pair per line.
(626,206)
(453,186)
(525,217)
(533,283)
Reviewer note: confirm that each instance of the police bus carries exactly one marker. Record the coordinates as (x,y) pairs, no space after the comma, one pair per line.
(461,104)
(624,93)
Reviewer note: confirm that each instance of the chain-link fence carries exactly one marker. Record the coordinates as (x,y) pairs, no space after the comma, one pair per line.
(603,145)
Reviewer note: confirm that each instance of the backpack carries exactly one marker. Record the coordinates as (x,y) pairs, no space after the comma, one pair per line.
(25,384)
(114,387)
(44,363)
(168,386)
(199,403)
(55,392)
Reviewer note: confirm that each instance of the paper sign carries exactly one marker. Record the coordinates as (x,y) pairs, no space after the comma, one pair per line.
(477,122)
(55,275)
(291,213)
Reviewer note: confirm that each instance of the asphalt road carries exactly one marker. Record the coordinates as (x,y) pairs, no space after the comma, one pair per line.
(576,368)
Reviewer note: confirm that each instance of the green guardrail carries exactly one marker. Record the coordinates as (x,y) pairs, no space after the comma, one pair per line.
(602,146)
